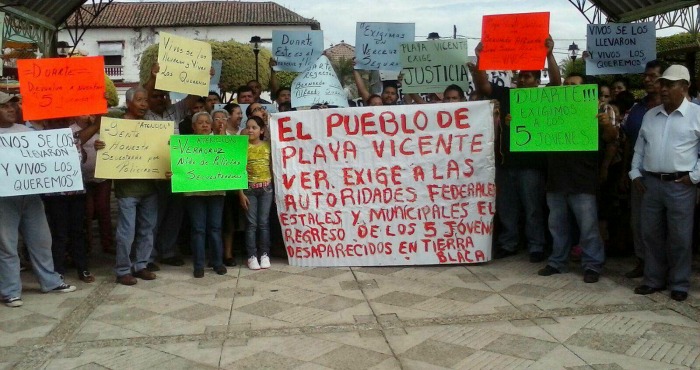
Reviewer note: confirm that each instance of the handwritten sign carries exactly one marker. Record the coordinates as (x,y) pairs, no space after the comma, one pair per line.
(134,149)
(514,41)
(317,85)
(618,48)
(551,119)
(62,87)
(39,162)
(295,51)
(184,65)
(377,44)
(431,66)
(213,82)
(208,162)
(390,185)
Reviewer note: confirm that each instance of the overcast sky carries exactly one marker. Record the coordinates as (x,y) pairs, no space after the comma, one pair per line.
(338,17)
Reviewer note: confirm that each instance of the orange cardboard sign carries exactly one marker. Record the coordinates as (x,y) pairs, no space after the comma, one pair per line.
(514,41)
(62,87)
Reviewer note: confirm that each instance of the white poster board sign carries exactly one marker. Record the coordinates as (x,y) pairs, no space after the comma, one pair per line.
(39,162)
(619,48)
(389,185)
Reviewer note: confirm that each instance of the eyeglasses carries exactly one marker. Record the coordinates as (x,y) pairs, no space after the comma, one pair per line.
(258,109)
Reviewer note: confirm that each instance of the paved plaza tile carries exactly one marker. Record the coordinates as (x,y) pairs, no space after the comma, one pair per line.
(498,315)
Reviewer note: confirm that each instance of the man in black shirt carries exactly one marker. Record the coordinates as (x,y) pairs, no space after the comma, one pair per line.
(520,179)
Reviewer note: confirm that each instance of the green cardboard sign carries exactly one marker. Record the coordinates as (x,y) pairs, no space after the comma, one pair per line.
(431,66)
(208,162)
(554,119)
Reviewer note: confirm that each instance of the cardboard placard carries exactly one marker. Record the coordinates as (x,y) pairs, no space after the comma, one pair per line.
(208,162)
(431,66)
(554,119)
(39,162)
(134,149)
(377,44)
(295,51)
(619,48)
(389,185)
(62,87)
(514,41)
(184,65)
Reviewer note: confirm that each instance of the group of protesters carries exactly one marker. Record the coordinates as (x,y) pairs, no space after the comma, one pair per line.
(647,162)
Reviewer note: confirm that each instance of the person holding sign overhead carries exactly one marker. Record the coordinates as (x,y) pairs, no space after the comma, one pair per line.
(520,179)
(390,91)
(665,170)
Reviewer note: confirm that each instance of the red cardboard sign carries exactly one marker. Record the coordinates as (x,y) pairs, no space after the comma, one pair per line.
(514,41)
(62,87)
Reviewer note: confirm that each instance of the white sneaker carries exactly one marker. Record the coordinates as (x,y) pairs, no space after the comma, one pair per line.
(13,302)
(264,261)
(63,288)
(253,263)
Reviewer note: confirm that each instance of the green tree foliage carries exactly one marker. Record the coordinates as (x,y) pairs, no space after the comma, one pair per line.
(112,97)
(238,63)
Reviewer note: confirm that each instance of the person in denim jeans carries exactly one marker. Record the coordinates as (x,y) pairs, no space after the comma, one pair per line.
(23,214)
(571,187)
(137,201)
(205,209)
(257,199)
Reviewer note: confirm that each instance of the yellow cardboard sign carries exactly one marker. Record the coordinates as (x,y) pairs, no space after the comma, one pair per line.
(184,65)
(134,149)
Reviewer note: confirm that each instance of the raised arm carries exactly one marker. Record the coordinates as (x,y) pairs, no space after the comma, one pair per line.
(361,88)
(481,80)
(552,66)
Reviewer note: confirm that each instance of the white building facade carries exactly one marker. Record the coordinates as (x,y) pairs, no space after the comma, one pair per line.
(124,30)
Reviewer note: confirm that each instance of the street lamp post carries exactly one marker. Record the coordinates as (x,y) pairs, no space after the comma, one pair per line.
(255,41)
(573,51)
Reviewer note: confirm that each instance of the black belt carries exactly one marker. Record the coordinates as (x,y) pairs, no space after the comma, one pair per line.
(666,176)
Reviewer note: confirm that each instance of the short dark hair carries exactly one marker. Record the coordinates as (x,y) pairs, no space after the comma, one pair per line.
(536,73)
(576,74)
(393,84)
(372,97)
(624,100)
(282,89)
(456,88)
(252,81)
(243,89)
(654,64)
(249,110)
(215,94)
(622,79)
(230,107)
(201,100)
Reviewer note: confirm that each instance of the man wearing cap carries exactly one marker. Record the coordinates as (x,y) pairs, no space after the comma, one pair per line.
(23,213)
(665,169)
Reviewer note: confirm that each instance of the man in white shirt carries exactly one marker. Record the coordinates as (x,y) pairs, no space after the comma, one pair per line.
(665,169)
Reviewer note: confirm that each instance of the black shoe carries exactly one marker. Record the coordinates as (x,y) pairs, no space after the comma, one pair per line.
(503,253)
(198,273)
(548,271)
(152,267)
(229,262)
(172,261)
(221,270)
(646,289)
(590,276)
(637,272)
(536,257)
(679,296)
